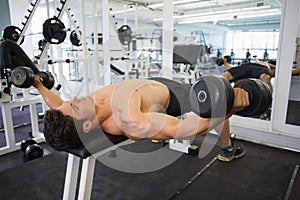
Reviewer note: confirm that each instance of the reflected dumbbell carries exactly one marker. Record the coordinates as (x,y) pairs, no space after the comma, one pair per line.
(220,61)
(213,96)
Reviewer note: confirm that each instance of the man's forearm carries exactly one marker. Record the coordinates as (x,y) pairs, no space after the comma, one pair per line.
(50,98)
(166,127)
(228,66)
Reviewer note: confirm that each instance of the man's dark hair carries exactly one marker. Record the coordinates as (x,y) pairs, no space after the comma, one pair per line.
(60,131)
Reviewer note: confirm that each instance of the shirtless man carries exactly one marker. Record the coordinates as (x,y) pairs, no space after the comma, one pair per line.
(259,70)
(134,108)
(138,109)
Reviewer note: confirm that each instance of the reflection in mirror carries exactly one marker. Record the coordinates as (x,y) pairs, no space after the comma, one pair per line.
(249,35)
(293,110)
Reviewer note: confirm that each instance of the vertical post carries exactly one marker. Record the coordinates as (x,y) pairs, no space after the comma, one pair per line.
(167,39)
(85,50)
(96,52)
(34,119)
(86,179)
(106,42)
(135,17)
(71,177)
(8,125)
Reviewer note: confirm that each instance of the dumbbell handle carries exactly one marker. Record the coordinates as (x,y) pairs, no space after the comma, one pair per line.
(24,77)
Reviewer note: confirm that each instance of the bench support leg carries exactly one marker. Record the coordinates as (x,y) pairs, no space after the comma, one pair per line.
(71,177)
(86,179)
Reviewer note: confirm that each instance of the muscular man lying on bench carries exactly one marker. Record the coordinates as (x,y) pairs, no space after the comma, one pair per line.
(138,109)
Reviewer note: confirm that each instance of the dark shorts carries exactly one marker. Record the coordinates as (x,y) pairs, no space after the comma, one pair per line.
(179,96)
(249,70)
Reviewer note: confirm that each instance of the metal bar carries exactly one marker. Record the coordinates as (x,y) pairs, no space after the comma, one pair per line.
(291,184)
(8,126)
(34,120)
(44,52)
(21,125)
(86,178)
(24,29)
(74,24)
(106,43)
(84,47)
(66,60)
(193,178)
(167,39)
(71,177)
(96,46)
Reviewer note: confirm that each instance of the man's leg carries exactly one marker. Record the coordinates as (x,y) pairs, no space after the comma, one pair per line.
(229,151)
(224,133)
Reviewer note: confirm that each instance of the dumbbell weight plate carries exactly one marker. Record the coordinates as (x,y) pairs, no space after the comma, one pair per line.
(25,143)
(42,43)
(47,79)
(220,61)
(75,39)
(259,95)
(33,151)
(54,31)
(22,77)
(12,33)
(124,34)
(211,96)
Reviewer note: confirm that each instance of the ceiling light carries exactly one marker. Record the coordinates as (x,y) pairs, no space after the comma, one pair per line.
(240,15)
(203,3)
(214,13)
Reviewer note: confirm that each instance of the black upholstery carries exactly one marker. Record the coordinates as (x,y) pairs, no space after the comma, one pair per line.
(12,56)
(94,142)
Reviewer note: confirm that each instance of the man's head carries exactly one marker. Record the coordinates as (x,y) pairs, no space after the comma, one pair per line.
(83,110)
(61,131)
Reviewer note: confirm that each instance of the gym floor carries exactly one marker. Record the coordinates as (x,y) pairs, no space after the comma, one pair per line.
(264,173)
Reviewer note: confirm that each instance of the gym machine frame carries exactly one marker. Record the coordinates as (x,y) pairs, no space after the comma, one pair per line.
(6,107)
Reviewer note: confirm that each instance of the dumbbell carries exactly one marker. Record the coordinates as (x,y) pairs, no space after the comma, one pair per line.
(23,77)
(213,96)
(220,61)
(31,149)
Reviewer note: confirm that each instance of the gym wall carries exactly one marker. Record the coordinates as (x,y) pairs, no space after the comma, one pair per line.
(4,14)
(17,13)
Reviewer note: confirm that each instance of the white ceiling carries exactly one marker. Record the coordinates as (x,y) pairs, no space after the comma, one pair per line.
(228,13)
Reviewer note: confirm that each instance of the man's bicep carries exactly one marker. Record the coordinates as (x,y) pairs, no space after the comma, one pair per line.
(127,107)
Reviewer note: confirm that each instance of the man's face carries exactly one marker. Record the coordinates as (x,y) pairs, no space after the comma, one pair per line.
(79,108)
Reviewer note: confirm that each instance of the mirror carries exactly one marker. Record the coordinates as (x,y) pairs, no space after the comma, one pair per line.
(293,109)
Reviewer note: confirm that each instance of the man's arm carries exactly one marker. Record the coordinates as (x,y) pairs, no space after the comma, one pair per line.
(152,125)
(267,79)
(226,64)
(296,71)
(50,98)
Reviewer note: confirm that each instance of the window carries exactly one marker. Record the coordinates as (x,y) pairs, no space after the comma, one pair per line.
(256,42)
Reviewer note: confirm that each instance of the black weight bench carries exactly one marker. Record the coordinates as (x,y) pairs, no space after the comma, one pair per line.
(96,143)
